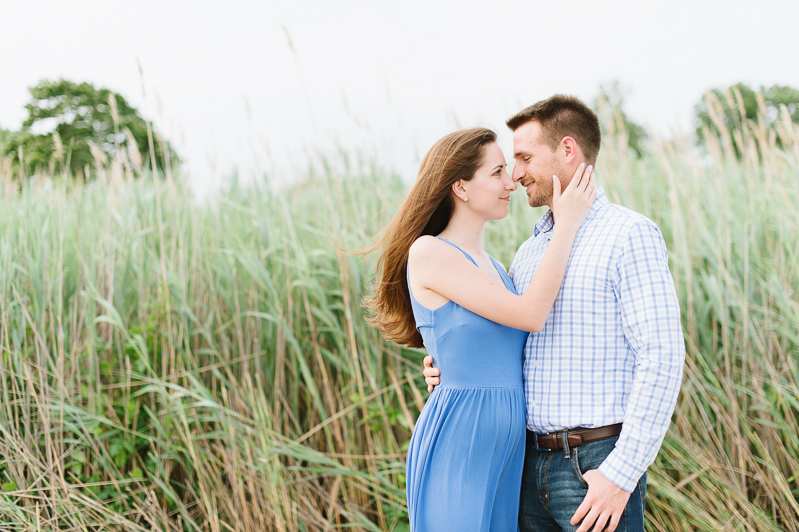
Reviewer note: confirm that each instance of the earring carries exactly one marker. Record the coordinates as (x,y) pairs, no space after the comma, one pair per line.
(465,199)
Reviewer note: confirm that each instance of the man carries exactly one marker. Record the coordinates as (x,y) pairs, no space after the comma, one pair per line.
(601,378)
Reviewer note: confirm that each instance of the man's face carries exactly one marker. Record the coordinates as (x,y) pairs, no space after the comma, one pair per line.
(535,164)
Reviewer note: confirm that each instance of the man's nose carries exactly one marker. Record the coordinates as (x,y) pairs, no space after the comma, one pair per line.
(518,173)
(510,184)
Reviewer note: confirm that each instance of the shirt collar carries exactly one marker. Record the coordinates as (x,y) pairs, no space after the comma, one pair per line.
(547,222)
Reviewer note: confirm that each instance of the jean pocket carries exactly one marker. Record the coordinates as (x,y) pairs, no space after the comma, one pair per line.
(576,464)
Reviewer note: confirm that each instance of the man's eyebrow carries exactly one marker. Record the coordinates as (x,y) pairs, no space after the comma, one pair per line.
(520,153)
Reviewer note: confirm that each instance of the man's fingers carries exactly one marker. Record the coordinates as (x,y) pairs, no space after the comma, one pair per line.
(589,520)
(581,511)
(614,521)
(431,372)
(601,522)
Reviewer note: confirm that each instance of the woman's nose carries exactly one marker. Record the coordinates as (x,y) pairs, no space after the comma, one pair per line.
(511,184)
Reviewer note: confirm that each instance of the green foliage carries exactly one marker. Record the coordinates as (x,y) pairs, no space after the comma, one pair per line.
(739,104)
(170,366)
(70,125)
(37,150)
(614,119)
(5,138)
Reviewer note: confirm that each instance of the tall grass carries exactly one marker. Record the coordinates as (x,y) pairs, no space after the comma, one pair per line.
(169,366)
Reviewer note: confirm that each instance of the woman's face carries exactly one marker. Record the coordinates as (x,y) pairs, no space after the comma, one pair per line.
(489,190)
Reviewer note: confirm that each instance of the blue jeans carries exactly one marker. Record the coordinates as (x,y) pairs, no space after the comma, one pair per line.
(553,487)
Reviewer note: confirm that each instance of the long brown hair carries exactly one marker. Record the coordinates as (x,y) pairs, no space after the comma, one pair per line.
(426,211)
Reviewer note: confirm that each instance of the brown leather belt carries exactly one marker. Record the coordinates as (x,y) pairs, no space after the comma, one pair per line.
(576,437)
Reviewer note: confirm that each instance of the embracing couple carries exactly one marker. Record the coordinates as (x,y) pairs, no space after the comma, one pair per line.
(554,383)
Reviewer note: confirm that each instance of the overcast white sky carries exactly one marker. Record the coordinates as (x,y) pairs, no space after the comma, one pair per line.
(262,85)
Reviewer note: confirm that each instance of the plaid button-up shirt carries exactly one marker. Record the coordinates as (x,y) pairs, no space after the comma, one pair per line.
(612,348)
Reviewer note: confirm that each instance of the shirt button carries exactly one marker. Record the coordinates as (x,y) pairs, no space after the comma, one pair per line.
(533,404)
(535,364)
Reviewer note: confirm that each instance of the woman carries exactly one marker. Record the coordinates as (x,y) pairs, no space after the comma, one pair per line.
(437,287)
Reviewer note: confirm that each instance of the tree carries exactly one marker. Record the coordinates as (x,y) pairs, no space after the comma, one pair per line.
(613,118)
(5,138)
(68,120)
(740,99)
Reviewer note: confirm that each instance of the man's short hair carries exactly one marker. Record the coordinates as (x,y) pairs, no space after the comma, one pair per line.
(563,116)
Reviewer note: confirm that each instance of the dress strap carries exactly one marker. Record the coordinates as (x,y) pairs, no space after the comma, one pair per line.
(503,275)
(459,249)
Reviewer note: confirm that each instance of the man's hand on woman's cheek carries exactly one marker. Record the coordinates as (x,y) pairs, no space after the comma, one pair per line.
(431,374)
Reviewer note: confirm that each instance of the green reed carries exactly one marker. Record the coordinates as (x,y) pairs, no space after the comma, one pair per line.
(174,366)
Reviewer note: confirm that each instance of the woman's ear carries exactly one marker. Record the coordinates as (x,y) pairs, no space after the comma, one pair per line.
(459,190)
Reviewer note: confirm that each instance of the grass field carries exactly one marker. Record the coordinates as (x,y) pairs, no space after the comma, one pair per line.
(169,366)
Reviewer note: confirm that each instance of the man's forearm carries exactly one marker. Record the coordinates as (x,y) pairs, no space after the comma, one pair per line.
(646,421)
(651,318)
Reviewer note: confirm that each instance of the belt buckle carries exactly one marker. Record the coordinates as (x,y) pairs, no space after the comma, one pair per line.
(535,440)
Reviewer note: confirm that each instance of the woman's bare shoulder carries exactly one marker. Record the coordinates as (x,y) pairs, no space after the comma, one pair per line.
(427,248)
(425,243)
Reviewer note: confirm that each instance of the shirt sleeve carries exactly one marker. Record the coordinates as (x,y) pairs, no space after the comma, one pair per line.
(650,316)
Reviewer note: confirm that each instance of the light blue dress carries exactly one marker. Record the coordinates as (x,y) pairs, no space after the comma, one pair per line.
(465,459)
